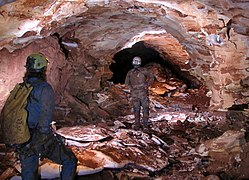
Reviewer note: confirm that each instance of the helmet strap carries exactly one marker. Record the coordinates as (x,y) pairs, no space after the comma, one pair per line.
(136,66)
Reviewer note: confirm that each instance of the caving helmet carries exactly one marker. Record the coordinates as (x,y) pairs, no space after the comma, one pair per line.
(136,62)
(36,62)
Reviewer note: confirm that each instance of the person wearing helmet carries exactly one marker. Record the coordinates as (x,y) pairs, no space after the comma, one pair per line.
(44,143)
(138,80)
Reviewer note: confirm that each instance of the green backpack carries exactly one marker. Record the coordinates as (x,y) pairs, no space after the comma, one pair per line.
(14,115)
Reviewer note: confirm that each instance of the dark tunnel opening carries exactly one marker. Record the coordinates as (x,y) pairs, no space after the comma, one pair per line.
(123,63)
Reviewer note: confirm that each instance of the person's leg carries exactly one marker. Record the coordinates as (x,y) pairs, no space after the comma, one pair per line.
(136,108)
(64,156)
(145,105)
(29,165)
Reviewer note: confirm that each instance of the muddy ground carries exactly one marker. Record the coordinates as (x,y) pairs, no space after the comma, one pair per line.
(189,131)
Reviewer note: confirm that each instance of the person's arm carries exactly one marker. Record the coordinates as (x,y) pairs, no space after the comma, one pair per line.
(43,133)
(47,105)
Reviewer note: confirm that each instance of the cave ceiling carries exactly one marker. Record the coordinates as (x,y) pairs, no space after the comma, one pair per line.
(209,39)
(206,40)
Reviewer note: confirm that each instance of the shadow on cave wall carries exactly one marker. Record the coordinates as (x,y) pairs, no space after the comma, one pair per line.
(123,63)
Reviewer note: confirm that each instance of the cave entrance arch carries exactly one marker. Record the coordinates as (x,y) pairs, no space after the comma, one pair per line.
(123,63)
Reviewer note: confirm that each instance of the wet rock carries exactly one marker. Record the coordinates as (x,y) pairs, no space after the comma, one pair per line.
(8,173)
(84,133)
(114,101)
(245,82)
(124,147)
(229,154)
(212,177)
(160,73)
(133,173)
(171,149)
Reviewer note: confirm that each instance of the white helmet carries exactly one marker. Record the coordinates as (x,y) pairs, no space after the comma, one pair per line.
(136,61)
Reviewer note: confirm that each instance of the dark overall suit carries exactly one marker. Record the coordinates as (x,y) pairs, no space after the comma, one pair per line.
(138,80)
(43,141)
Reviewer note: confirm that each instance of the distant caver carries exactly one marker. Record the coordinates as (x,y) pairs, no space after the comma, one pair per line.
(138,80)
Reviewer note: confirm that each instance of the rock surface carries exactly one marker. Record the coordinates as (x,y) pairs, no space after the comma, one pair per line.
(179,145)
(208,39)
(197,51)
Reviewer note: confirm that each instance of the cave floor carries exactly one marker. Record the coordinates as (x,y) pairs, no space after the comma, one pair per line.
(185,125)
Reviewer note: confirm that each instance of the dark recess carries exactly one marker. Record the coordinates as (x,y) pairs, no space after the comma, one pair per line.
(123,63)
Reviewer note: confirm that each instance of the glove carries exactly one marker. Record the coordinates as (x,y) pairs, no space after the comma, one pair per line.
(38,141)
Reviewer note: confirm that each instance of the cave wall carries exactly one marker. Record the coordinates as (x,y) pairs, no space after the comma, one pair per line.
(13,66)
(97,30)
(228,68)
(77,78)
(221,69)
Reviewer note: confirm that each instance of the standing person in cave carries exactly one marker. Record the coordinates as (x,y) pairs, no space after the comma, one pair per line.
(138,80)
(44,142)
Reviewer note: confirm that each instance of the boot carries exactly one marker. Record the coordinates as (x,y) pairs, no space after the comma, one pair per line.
(145,125)
(137,125)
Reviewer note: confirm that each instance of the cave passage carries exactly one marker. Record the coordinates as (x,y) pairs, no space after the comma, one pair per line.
(123,63)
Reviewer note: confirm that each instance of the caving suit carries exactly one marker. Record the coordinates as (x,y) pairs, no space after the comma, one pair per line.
(43,142)
(138,80)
